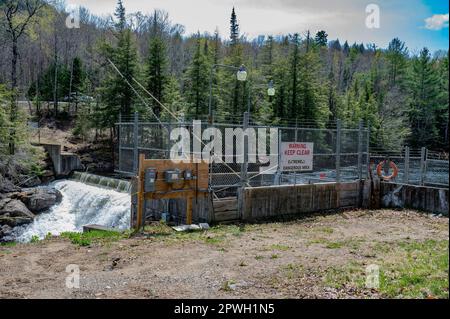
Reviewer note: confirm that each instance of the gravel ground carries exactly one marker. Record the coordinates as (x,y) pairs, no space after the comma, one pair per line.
(294,259)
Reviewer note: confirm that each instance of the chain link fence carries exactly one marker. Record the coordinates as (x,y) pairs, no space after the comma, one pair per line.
(416,166)
(340,153)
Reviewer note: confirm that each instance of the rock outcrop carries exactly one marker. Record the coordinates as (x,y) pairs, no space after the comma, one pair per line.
(14,213)
(6,186)
(40,199)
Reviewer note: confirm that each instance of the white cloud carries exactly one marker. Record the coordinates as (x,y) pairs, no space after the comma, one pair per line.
(437,22)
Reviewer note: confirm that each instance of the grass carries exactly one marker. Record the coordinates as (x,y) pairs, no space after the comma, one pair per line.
(326,230)
(414,270)
(216,235)
(8,244)
(227,285)
(292,271)
(422,274)
(87,239)
(338,244)
(280,247)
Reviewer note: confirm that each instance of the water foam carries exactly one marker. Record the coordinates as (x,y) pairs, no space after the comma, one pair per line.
(81,205)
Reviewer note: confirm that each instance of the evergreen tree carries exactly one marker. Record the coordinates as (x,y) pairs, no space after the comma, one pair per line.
(119,13)
(424,86)
(198,79)
(77,81)
(312,105)
(396,56)
(321,38)
(294,70)
(116,95)
(234,28)
(156,74)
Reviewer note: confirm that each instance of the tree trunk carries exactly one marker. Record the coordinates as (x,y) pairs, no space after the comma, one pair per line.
(13,107)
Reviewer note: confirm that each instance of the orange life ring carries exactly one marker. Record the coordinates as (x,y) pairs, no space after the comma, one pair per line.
(390,177)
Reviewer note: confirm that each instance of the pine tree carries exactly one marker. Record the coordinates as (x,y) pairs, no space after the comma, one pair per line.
(156,74)
(198,79)
(116,95)
(396,56)
(294,70)
(322,39)
(77,80)
(120,16)
(234,28)
(312,100)
(424,90)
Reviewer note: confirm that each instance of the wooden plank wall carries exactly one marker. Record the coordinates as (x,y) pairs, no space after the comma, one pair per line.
(263,202)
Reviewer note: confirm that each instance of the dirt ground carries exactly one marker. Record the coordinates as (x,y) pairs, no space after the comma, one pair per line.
(321,256)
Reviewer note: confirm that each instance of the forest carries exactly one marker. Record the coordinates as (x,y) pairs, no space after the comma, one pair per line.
(84,74)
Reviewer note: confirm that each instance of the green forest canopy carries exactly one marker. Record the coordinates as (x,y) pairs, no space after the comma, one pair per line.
(402,97)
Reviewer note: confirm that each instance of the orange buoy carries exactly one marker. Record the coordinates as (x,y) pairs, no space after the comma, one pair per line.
(389,177)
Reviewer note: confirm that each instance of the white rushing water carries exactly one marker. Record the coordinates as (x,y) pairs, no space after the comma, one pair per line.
(81,205)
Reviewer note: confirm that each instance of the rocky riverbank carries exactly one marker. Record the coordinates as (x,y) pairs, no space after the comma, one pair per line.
(21,206)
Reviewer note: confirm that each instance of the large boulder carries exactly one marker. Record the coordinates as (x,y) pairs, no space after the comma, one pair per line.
(14,213)
(6,186)
(30,181)
(5,231)
(40,199)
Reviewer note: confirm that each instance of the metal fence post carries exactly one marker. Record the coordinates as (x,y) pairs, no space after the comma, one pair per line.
(422,165)
(296,140)
(360,149)
(244,167)
(136,142)
(120,141)
(338,151)
(368,153)
(406,173)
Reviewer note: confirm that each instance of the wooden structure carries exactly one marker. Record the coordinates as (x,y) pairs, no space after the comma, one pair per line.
(195,187)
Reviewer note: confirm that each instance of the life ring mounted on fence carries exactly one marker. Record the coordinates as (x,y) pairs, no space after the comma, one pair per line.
(392,166)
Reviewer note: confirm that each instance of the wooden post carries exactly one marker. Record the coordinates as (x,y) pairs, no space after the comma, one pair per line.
(189,211)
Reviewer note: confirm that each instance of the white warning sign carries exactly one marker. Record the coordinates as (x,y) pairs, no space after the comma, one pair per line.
(297,157)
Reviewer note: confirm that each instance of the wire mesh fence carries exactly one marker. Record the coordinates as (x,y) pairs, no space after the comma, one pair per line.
(415,166)
(340,153)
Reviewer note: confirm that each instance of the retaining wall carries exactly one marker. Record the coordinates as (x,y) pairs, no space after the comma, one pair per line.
(423,198)
(63,163)
(263,202)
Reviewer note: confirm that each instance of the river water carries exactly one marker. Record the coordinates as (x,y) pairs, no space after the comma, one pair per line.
(81,205)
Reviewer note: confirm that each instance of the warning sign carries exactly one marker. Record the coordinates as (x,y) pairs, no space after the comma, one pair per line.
(297,157)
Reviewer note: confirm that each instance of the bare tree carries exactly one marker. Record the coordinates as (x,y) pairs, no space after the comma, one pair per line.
(18,16)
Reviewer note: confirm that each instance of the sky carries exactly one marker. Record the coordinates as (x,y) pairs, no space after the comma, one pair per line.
(417,22)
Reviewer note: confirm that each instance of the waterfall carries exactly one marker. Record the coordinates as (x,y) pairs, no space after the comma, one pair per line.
(106,182)
(81,205)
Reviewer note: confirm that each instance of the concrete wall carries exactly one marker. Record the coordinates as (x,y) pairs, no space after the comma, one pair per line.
(263,202)
(63,163)
(54,151)
(423,198)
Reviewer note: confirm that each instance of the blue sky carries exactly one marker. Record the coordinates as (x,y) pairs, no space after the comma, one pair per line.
(344,19)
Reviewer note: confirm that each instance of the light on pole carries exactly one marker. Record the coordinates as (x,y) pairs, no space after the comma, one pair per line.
(242,74)
(271,89)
